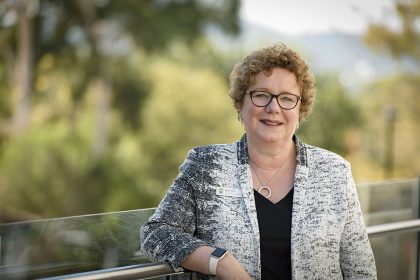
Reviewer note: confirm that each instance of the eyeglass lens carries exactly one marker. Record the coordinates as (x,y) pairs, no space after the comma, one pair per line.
(285,100)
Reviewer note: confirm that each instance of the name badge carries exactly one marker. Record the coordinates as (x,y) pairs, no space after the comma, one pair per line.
(229,192)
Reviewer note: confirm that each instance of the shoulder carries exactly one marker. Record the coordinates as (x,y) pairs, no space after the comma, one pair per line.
(232,151)
(329,171)
(322,154)
(209,157)
(319,158)
(210,162)
(211,152)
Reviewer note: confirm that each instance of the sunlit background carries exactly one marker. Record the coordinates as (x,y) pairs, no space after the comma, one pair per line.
(100,101)
(303,17)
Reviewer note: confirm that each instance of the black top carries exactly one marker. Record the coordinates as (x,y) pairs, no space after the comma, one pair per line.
(275,223)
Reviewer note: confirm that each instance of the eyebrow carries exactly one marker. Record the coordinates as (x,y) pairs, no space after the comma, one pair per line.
(261,89)
(266,90)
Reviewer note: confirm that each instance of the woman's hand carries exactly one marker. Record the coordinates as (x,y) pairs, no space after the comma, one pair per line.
(228,268)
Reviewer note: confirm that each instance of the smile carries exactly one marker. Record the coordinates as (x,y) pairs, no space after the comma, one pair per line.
(271,123)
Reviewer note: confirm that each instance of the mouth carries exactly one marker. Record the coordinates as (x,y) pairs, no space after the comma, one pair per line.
(271,122)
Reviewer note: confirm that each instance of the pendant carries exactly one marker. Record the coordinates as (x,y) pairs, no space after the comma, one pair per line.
(269,191)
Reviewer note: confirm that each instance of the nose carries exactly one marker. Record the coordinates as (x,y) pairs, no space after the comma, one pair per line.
(273,106)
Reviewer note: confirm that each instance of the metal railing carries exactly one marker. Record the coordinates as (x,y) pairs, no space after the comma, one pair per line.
(397,227)
(106,246)
(159,269)
(141,271)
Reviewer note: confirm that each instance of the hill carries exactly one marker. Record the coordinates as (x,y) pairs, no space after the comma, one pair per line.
(346,54)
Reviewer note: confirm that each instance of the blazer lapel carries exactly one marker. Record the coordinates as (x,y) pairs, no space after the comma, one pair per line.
(248,196)
(300,186)
(245,181)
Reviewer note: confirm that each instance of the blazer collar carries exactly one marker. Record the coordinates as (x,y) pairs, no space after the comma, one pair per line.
(243,156)
(242,151)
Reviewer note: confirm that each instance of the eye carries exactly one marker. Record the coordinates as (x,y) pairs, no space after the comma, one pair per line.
(260,94)
(286,99)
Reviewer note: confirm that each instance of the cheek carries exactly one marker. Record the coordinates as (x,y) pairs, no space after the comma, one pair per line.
(247,111)
(252,114)
(292,116)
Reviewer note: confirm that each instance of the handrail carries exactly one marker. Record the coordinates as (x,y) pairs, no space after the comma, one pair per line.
(390,228)
(144,271)
(140,271)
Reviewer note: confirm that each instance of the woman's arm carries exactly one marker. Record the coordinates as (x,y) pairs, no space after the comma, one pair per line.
(169,234)
(227,268)
(356,256)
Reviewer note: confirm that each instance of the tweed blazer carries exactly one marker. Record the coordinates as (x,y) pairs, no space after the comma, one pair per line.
(328,235)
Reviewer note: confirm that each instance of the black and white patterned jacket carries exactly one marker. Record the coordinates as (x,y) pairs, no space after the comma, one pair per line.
(328,238)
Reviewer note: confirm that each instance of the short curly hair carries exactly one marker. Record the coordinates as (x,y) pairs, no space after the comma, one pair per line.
(265,60)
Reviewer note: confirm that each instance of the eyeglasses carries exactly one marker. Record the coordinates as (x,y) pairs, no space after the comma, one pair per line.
(286,101)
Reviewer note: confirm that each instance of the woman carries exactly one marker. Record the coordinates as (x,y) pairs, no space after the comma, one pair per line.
(268,206)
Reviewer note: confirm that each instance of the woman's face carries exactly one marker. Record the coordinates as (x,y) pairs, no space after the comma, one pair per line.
(271,124)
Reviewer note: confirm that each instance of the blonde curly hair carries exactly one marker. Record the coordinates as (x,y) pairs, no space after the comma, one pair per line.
(265,60)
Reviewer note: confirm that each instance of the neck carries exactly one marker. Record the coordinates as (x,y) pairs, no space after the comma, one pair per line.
(271,157)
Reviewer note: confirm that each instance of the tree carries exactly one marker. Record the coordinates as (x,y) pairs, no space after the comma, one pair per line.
(402,94)
(334,114)
(399,93)
(90,80)
(403,42)
(188,106)
(96,34)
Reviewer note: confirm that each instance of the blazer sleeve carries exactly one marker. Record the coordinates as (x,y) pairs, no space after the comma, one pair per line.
(356,256)
(169,233)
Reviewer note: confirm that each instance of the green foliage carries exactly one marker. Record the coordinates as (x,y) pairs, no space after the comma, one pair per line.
(335,112)
(91,82)
(52,171)
(75,25)
(90,40)
(201,54)
(401,93)
(397,152)
(188,107)
(155,23)
(92,78)
(130,92)
(403,42)
(5,96)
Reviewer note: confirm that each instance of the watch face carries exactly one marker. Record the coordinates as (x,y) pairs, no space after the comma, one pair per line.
(218,252)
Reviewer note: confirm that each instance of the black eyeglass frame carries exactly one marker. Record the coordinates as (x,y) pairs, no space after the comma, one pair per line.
(272,96)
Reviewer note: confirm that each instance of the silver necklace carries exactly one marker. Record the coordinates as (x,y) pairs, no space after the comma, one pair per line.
(265,187)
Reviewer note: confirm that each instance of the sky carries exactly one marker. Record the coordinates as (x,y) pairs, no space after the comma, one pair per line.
(296,17)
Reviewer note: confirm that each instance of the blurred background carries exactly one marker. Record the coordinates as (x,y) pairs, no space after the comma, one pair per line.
(100,100)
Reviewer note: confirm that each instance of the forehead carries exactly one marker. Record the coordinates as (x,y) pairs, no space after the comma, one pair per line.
(280,80)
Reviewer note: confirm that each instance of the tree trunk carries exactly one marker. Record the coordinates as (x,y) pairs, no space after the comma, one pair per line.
(103,89)
(103,104)
(22,87)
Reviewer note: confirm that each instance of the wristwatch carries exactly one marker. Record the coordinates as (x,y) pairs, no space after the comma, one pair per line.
(215,257)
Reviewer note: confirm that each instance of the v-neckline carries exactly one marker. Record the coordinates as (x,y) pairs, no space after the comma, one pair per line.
(278,202)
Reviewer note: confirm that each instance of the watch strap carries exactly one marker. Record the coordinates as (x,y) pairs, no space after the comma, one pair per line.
(214,259)
(213,265)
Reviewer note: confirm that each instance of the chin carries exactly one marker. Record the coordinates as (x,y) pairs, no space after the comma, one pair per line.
(271,138)
(276,138)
